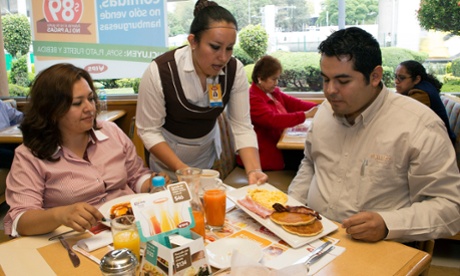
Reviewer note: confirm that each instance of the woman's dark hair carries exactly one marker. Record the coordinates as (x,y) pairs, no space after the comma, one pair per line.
(265,67)
(360,47)
(50,98)
(415,68)
(205,13)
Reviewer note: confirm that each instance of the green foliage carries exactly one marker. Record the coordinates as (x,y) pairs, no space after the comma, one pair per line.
(131,82)
(440,15)
(109,83)
(242,55)
(301,70)
(452,80)
(456,67)
(356,12)
(16,34)
(17,91)
(393,56)
(254,41)
(388,76)
(449,68)
(249,68)
(18,73)
(292,15)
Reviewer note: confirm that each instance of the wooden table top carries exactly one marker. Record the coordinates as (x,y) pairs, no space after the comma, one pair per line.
(360,258)
(14,135)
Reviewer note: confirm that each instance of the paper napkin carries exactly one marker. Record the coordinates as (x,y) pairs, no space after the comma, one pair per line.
(97,241)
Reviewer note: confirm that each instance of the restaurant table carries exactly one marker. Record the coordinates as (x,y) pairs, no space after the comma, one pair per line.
(293,138)
(38,256)
(14,135)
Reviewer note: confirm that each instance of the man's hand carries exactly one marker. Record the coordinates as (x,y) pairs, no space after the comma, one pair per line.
(366,226)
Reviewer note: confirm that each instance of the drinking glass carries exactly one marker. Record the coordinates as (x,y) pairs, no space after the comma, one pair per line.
(214,202)
(125,234)
(192,177)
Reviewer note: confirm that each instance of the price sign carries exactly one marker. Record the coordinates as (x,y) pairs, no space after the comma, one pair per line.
(179,192)
(182,259)
(65,11)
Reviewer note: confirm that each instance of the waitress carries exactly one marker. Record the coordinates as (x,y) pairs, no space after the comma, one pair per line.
(183,92)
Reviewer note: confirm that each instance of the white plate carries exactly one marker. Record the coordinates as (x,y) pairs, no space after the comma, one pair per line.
(220,252)
(292,239)
(105,208)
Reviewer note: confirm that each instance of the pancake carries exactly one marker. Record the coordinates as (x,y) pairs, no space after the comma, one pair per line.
(288,218)
(307,230)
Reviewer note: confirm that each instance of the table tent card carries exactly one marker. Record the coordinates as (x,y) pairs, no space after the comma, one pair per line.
(164,220)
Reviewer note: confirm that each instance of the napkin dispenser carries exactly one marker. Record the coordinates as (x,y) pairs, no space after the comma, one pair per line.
(165,216)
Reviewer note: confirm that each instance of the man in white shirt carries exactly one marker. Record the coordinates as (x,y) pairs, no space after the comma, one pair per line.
(379,163)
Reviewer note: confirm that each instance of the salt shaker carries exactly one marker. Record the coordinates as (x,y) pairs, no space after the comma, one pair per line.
(119,262)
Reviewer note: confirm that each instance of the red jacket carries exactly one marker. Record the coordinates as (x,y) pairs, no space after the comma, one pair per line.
(269,123)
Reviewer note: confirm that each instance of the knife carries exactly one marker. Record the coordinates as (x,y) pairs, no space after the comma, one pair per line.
(317,257)
(316,251)
(72,255)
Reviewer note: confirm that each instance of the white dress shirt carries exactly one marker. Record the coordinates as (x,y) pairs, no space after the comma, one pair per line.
(396,160)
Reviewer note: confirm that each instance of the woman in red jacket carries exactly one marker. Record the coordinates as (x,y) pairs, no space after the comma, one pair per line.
(271,112)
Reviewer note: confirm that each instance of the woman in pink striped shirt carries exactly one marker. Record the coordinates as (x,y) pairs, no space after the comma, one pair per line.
(69,163)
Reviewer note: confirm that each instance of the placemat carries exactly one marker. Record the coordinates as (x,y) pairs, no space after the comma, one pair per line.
(63,266)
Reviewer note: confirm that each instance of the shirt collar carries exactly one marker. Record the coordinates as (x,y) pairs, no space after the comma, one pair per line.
(370,112)
(94,136)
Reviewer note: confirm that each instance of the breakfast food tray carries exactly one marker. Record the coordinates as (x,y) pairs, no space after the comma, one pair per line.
(291,239)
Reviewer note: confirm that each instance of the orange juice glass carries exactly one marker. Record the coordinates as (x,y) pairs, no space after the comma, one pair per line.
(214,201)
(125,234)
(199,223)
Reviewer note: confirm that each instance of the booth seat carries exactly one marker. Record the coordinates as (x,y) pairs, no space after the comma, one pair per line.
(235,176)
(452,104)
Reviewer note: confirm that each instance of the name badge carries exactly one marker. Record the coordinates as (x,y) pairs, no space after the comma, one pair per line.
(215,95)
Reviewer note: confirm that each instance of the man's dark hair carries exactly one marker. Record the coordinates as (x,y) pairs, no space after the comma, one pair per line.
(360,47)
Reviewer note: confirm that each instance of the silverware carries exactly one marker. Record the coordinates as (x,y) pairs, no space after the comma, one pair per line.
(60,235)
(317,257)
(72,255)
(316,251)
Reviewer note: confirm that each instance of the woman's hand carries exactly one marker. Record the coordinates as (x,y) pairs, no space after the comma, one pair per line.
(257,176)
(311,112)
(79,216)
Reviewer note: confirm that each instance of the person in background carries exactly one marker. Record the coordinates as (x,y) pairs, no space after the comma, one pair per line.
(183,92)
(411,79)
(69,163)
(271,112)
(9,116)
(378,162)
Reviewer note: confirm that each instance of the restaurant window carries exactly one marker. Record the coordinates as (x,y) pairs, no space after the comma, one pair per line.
(296,27)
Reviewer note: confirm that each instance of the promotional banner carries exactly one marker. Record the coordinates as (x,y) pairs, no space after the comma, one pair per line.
(109,38)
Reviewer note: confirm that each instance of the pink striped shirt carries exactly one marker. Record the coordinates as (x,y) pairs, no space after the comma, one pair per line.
(114,169)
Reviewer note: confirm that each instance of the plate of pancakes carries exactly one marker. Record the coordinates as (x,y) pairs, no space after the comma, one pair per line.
(117,207)
(293,222)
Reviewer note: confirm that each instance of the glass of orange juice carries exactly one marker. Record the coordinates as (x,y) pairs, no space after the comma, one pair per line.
(125,234)
(214,202)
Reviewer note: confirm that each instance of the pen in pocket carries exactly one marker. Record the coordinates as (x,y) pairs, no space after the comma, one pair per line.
(363,167)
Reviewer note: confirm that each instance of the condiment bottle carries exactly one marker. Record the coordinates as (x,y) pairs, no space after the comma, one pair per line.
(158,184)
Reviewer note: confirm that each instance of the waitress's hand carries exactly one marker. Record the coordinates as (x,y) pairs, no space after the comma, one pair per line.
(257,177)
